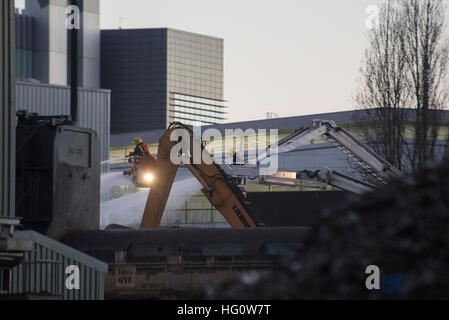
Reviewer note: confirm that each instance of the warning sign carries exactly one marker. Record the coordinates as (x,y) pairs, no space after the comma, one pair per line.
(125,277)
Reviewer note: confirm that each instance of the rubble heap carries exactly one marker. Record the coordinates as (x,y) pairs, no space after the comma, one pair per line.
(403,229)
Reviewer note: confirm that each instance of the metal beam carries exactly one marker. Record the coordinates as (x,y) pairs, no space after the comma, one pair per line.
(74,81)
(7,109)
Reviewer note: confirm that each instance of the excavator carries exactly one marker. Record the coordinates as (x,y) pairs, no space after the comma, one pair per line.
(222,183)
(376,171)
(218,187)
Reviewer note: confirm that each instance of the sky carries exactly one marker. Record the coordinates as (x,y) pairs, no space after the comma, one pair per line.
(290,57)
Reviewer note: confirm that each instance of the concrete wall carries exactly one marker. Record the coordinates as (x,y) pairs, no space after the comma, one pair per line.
(76,182)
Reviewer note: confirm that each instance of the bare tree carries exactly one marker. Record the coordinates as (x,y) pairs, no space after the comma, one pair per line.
(404,82)
(382,93)
(427,56)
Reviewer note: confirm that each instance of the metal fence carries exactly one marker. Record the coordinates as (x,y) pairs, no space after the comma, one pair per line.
(43,272)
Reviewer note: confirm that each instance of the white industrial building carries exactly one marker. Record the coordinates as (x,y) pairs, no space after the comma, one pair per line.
(43,60)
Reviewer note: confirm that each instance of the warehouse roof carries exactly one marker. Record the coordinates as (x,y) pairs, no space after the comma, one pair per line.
(289,123)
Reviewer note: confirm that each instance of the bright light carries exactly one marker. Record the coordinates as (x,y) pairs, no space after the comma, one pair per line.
(149,177)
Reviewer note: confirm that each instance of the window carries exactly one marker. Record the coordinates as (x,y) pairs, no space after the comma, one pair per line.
(196,111)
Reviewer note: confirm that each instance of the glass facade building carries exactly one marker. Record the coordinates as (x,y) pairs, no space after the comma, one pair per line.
(195,78)
(159,76)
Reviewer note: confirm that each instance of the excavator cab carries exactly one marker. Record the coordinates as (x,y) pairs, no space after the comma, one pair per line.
(142,171)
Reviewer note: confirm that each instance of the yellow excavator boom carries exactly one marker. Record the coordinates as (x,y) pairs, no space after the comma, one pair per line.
(218,187)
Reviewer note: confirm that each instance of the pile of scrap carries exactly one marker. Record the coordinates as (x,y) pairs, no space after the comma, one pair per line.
(402,229)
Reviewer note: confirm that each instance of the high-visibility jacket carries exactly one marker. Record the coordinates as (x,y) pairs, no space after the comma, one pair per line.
(141,150)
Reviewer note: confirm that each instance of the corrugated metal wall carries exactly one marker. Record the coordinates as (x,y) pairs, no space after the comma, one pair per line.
(43,271)
(51,100)
(7,112)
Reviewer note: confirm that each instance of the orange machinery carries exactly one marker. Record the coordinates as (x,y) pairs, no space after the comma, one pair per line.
(159,175)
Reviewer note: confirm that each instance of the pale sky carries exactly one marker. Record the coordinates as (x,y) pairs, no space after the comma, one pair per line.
(291,57)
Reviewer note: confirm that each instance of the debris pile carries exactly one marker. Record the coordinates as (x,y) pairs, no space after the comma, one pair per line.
(402,229)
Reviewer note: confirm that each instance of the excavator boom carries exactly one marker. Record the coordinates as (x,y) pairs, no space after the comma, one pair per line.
(218,187)
(218,181)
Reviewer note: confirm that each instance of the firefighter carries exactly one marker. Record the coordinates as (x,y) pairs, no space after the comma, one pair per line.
(141,148)
(236,157)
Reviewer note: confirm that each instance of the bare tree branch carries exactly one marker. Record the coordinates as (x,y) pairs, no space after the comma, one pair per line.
(404,82)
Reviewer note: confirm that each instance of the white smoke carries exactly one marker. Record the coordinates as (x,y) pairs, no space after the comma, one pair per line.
(128,210)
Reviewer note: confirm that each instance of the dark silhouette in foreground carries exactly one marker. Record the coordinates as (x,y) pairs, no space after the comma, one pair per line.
(403,229)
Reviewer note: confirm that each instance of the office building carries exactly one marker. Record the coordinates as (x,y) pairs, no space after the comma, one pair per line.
(158,76)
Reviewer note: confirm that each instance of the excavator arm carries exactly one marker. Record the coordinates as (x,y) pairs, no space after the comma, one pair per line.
(226,197)
(218,187)
(375,167)
(368,160)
